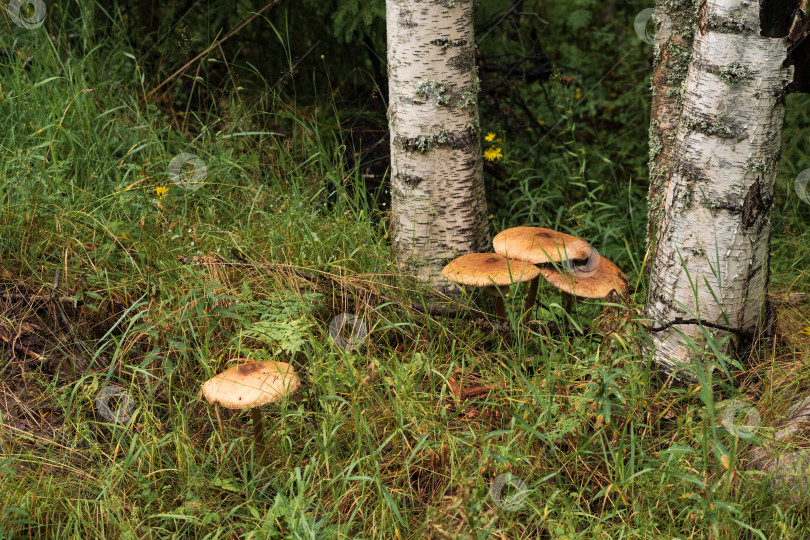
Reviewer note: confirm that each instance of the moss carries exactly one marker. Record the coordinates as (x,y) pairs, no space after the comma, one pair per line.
(761,164)
(431,89)
(683,14)
(679,63)
(655,141)
(732,24)
(679,57)
(735,74)
(446,43)
(470,96)
(684,197)
(674,5)
(426,143)
(656,205)
(720,127)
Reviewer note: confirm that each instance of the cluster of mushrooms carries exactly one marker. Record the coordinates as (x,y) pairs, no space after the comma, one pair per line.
(521,254)
(525,253)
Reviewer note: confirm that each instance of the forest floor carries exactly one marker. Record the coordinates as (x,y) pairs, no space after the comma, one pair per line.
(116,279)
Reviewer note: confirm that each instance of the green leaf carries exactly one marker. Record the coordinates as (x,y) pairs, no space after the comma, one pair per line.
(226,484)
(579,19)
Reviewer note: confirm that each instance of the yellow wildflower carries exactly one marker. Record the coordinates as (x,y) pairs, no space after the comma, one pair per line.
(805,331)
(161,191)
(492,154)
(498,139)
(489,137)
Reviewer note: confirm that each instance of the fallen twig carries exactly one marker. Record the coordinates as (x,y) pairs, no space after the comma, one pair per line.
(17,297)
(678,320)
(462,393)
(19,348)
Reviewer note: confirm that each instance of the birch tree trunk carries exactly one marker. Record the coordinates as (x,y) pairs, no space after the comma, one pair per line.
(711,261)
(673,50)
(437,185)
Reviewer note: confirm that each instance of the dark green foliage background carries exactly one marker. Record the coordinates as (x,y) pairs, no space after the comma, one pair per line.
(575,152)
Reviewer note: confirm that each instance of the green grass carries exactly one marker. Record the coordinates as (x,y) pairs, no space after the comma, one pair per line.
(257,262)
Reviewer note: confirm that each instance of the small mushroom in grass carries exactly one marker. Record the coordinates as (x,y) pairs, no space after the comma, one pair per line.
(492,271)
(594,279)
(539,246)
(249,386)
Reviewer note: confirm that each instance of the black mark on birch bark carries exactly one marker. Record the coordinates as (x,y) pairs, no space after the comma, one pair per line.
(406,19)
(463,62)
(753,205)
(445,43)
(410,180)
(691,172)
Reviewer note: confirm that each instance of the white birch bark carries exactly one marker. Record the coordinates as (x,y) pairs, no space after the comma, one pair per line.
(715,231)
(437,186)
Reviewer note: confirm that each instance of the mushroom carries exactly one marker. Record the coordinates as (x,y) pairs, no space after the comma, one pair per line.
(492,271)
(539,246)
(594,279)
(249,386)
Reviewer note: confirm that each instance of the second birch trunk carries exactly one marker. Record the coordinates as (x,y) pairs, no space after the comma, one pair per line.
(712,254)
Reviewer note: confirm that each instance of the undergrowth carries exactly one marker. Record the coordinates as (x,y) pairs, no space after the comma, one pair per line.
(113,275)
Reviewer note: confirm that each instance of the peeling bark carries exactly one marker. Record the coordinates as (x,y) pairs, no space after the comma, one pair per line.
(714,235)
(437,185)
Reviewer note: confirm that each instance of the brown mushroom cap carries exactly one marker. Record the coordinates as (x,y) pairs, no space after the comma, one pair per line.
(251,384)
(594,284)
(486,269)
(538,245)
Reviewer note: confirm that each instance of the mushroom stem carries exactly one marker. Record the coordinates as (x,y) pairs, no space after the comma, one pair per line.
(568,301)
(497,293)
(258,434)
(500,308)
(219,421)
(527,309)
